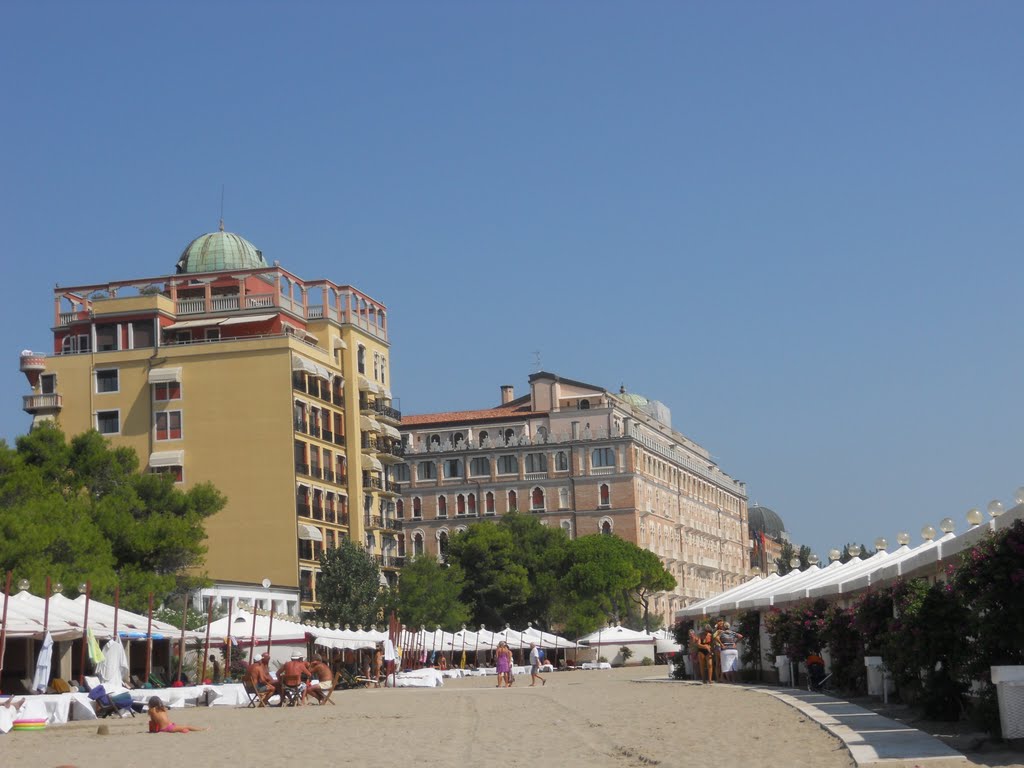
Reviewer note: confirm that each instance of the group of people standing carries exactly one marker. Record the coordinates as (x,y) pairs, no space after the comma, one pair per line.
(714,653)
(503,665)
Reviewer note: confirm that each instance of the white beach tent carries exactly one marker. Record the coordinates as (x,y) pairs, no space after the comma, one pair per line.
(547,640)
(641,643)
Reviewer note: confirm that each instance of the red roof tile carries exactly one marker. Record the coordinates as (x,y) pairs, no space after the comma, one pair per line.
(501,413)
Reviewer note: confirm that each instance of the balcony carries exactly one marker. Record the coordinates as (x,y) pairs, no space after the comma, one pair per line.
(302,469)
(314,430)
(302,508)
(41,403)
(387,411)
(327,436)
(373,521)
(301,426)
(395,449)
(329,475)
(314,472)
(389,561)
(392,524)
(329,516)
(372,482)
(368,443)
(318,512)
(339,438)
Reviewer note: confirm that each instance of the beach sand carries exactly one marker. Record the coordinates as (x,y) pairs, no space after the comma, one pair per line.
(580,719)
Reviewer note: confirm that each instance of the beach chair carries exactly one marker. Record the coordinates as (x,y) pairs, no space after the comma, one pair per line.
(107,704)
(291,690)
(348,680)
(257,698)
(322,694)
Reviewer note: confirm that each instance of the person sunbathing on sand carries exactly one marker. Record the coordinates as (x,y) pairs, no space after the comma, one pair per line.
(160,721)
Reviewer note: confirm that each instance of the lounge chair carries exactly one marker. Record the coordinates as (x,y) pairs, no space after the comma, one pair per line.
(107,704)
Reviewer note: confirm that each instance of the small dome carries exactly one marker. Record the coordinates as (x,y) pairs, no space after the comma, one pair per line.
(215,251)
(637,401)
(764,519)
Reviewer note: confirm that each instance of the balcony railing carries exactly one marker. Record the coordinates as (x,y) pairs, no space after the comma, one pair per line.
(339,438)
(390,561)
(372,482)
(302,469)
(395,449)
(33,403)
(374,521)
(391,524)
(318,513)
(302,509)
(368,443)
(314,472)
(328,436)
(314,430)
(329,475)
(301,426)
(387,411)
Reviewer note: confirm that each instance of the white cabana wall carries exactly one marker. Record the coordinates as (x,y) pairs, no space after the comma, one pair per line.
(607,642)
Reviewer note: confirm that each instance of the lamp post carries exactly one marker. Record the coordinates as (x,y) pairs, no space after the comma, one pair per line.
(270,629)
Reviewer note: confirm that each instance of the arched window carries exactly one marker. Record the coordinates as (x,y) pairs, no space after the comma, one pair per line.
(489,503)
(482,437)
(563,498)
(417,508)
(509,435)
(561,462)
(606,527)
(400,509)
(457,439)
(442,506)
(584,405)
(567,527)
(605,499)
(435,440)
(417,544)
(460,505)
(471,505)
(542,434)
(537,499)
(513,504)
(442,544)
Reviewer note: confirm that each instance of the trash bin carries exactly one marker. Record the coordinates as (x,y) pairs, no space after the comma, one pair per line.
(1009,682)
(874,671)
(782,664)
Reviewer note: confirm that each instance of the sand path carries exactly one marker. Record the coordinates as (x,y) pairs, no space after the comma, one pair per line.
(592,719)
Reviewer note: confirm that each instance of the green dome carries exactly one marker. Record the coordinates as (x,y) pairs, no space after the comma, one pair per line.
(637,401)
(215,251)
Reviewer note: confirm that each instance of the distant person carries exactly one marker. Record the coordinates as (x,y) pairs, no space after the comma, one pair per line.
(728,639)
(258,676)
(693,649)
(535,660)
(322,680)
(160,721)
(297,671)
(215,672)
(378,664)
(704,641)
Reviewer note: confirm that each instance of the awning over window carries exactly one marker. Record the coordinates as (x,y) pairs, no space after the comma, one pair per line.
(391,431)
(167,459)
(374,463)
(248,319)
(368,386)
(369,424)
(385,393)
(193,323)
(300,363)
(164,375)
(309,533)
(338,343)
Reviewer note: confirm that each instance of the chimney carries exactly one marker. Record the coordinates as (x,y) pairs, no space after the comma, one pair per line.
(507,393)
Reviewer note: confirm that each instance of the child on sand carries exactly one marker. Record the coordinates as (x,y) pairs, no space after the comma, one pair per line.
(160,721)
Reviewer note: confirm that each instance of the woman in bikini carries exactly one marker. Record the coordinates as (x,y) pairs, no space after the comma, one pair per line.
(160,721)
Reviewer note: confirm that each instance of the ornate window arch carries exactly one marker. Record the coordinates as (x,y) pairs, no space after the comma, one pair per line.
(604,496)
(417,542)
(606,526)
(489,503)
(417,508)
(513,501)
(442,506)
(537,499)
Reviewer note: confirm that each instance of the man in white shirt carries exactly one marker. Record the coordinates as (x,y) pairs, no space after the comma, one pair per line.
(535,666)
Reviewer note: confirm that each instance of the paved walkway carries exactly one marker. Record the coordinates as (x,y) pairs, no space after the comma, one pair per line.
(873,740)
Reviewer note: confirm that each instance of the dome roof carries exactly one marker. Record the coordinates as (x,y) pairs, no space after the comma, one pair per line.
(764,519)
(219,250)
(631,398)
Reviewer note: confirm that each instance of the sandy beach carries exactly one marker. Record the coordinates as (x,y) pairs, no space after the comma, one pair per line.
(582,718)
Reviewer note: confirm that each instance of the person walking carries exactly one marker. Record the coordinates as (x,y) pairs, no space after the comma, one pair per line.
(535,666)
(728,638)
(503,664)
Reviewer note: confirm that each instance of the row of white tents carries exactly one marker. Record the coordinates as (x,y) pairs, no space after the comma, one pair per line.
(842,581)
(30,616)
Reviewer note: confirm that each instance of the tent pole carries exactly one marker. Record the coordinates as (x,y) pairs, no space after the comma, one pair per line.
(149,640)
(270,629)
(230,650)
(252,640)
(206,649)
(117,606)
(85,633)
(181,641)
(46,606)
(3,622)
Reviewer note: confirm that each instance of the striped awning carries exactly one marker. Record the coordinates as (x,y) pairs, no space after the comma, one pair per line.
(374,463)
(310,533)
(368,386)
(300,363)
(369,424)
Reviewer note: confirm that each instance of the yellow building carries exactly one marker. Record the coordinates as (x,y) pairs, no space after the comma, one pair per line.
(237,372)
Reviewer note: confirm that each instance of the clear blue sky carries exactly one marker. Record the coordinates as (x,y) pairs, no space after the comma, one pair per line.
(800,225)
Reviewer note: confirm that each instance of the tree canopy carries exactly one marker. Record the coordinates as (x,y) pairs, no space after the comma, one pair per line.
(516,570)
(81,511)
(349,589)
